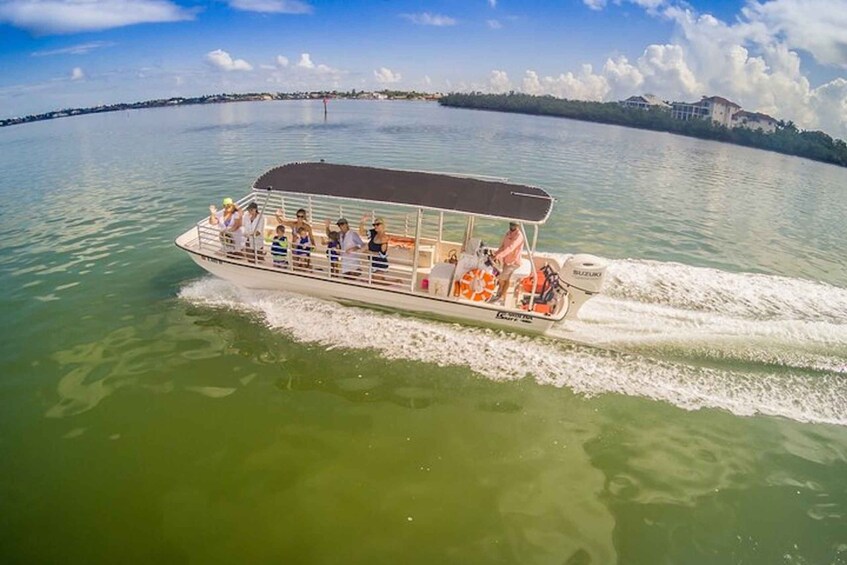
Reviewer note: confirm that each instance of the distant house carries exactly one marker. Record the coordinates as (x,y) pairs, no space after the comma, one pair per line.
(718,109)
(644,102)
(754,120)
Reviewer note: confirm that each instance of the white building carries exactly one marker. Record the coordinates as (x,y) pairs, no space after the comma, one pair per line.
(754,120)
(719,110)
(644,102)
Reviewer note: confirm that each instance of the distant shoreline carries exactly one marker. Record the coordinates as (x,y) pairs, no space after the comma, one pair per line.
(787,139)
(222,99)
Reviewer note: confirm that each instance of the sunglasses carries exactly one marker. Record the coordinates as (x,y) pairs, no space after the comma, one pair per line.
(377,224)
(301,215)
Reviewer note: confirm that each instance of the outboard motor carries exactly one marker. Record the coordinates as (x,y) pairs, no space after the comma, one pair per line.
(582,276)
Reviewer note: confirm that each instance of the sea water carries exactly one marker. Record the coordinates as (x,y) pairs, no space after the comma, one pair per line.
(696,413)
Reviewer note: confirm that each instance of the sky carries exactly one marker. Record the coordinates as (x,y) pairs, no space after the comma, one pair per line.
(786,58)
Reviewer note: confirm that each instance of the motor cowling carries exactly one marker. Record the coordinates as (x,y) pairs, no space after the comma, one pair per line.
(582,276)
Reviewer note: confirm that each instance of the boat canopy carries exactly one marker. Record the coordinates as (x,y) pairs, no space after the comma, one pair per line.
(437,191)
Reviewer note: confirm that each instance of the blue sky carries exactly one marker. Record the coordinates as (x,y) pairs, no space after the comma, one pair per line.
(784,57)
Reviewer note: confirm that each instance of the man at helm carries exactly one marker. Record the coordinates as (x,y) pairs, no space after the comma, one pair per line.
(508,255)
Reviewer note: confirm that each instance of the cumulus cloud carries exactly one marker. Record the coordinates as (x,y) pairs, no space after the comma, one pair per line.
(386,76)
(584,85)
(427,19)
(222,60)
(305,74)
(492,3)
(77,74)
(829,104)
(72,16)
(306,63)
(271,6)
(494,24)
(753,60)
(499,83)
(818,27)
(79,49)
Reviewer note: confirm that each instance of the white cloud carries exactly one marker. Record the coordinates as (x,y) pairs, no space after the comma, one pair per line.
(386,76)
(222,60)
(499,83)
(584,86)
(829,103)
(77,74)
(492,3)
(281,61)
(816,26)
(494,24)
(752,60)
(306,61)
(595,4)
(427,81)
(427,19)
(272,6)
(79,49)
(72,16)
(665,68)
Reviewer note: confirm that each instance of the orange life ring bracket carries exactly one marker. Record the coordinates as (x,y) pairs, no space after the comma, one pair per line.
(477,285)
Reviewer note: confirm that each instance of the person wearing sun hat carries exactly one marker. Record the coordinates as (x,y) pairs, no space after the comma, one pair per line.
(228,221)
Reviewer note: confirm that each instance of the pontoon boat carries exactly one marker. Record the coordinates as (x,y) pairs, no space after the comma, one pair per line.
(438,265)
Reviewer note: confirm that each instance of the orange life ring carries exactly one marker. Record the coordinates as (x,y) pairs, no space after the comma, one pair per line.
(478,285)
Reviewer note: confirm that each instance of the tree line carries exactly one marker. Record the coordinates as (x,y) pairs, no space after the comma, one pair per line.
(787,138)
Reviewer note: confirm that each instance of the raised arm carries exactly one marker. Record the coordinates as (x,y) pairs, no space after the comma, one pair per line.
(362,228)
(213,215)
(281,219)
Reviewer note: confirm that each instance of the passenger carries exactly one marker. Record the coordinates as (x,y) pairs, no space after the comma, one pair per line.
(302,254)
(295,225)
(333,251)
(350,245)
(378,247)
(279,248)
(228,222)
(508,255)
(254,230)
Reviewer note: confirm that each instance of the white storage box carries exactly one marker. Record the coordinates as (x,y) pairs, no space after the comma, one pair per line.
(440,279)
(525,270)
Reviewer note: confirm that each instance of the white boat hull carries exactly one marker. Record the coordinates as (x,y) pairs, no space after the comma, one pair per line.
(349,292)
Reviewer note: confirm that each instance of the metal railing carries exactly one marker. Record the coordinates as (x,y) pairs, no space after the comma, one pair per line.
(315,261)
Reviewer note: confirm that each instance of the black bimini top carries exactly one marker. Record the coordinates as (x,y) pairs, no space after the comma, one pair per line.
(410,188)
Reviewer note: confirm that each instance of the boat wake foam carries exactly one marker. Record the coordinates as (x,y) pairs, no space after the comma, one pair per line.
(653,337)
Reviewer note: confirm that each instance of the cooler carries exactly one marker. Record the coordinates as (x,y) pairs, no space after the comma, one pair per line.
(440,279)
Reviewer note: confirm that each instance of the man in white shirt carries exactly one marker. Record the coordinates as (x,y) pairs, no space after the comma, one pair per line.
(253,224)
(351,244)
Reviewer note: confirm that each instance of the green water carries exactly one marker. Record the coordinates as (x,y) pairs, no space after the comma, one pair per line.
(150,413)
